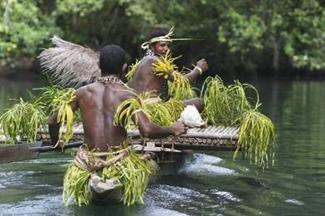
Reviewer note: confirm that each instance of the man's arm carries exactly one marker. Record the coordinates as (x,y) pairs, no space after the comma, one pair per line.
(151,130)
(54,125)
(54,128)
(201,66)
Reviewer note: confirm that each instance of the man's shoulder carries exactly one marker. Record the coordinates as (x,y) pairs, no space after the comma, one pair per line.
(86,87)
(149,59)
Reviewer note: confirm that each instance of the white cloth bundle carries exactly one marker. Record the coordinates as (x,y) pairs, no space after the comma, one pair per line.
(191,117)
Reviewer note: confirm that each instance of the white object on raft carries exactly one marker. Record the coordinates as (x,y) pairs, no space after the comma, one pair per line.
(191,117)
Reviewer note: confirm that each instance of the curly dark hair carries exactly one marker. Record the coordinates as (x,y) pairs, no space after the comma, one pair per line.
(111,59)
(156,33)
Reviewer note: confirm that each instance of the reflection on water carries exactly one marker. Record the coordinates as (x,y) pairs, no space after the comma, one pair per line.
(209,183)
(11,90)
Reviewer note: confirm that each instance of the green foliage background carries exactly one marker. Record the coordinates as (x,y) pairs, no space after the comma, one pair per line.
(266,37)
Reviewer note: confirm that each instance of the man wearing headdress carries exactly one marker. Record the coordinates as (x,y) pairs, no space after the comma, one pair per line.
(158,45)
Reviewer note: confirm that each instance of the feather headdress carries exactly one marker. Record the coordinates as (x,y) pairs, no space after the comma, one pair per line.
(69,64)
(164,38)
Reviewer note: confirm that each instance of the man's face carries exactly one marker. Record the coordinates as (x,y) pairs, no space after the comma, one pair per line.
(160,48)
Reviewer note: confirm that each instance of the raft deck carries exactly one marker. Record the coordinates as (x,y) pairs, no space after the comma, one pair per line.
(209,138)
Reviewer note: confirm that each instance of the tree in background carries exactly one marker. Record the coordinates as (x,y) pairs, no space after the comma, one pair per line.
(24,28)
(235,36)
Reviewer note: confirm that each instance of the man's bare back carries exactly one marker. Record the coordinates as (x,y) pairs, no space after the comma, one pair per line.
(99,101)
(144,79)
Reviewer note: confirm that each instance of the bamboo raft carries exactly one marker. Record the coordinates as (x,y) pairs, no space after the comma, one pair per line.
(209,138)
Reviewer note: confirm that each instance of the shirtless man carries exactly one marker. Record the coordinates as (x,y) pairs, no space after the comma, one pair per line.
(145,80)
(98,103)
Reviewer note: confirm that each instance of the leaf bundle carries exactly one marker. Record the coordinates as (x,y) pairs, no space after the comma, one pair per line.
(61,105)
(231,106)
(226,105)
(165,66)
(256,137)
(125,113)
(180,87)
(47,96)
(23,119)
(163,114)
(175,108)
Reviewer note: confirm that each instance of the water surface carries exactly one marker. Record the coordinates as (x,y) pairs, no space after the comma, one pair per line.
(208,183)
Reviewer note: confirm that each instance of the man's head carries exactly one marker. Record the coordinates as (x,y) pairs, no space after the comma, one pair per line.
(160,47)
(112,60)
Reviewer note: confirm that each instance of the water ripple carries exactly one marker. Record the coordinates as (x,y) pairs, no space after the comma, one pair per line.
(203,164)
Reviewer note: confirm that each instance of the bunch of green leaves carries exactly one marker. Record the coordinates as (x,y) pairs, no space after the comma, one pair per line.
(125,114)
(256,138)
(23,119)
(57,100)
(231,106)
(61,104)
(175,108)
(48,94)
(132,69)
(163,114)
(226,105)
(75,185)
(180,88)
(165,66)
(159,113)
(133,172)
(239,100)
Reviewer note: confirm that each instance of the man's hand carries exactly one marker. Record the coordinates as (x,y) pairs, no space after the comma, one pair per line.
(202,63)
(178,128)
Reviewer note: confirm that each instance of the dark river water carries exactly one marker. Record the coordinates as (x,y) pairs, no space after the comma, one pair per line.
(208,183)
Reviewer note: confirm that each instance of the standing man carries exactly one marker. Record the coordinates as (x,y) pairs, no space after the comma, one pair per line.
(98,103)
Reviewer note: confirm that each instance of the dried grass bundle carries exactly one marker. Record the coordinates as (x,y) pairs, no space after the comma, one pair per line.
(69,64)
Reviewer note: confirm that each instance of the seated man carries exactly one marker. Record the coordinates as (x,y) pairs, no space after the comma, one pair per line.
(98,103)
(145,80)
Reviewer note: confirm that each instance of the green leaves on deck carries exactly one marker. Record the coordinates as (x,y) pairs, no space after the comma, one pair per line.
(256,138)
(23,119)
(226,105)
(26,118)
(230,106)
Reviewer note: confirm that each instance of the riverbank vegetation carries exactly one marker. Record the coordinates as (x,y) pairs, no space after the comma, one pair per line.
(236,37)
